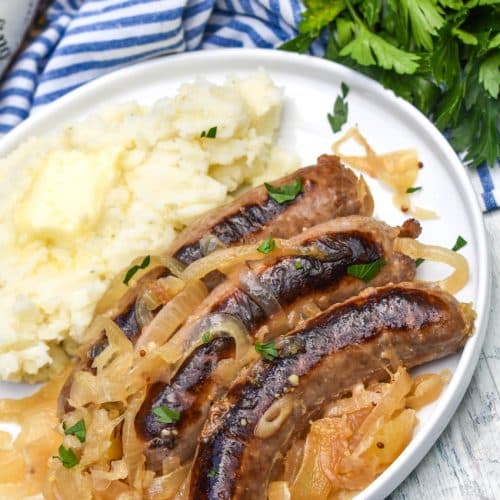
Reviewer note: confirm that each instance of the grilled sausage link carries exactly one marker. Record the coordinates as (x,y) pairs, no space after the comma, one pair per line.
(344,345)
(329,190)
(344,241)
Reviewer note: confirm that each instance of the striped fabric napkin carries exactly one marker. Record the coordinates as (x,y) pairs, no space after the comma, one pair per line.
(84,39)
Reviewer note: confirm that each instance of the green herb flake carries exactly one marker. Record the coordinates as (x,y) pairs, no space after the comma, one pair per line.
(460,243)
(298,265)
(267,246)
(419,261)
(440,55)
(205,338)
(366,272)
(78,430)
(166,415)
(286,192)
(413,189)
(211,134)
(67,457)
(131,272)
(212,474)
(340,110)
(267,350)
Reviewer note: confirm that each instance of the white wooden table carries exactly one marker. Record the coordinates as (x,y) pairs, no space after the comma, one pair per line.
(465,461)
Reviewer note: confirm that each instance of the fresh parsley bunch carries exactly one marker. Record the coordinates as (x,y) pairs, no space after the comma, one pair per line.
(441,55)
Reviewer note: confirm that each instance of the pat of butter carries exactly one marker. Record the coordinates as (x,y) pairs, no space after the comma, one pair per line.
(67,195)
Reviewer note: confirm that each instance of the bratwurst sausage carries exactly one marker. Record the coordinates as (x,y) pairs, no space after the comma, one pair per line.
(344,345)
(329,190)
(293,281)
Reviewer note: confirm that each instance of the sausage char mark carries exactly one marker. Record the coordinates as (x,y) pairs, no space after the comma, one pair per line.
(329,190)
(344,345)
(340,244)
(189,393)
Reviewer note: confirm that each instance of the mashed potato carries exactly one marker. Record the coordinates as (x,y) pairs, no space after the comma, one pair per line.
(77,206)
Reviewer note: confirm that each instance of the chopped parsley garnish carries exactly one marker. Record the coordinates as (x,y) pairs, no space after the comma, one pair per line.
(67,457)
(366,272)
(211,134)
(298,265)
(205,338)
(166,415)
(460,243)
(286,192)
(267,350)
(212,473)
(340,110)
(78,430)
(131,272)
(418,261)
(267,246)
(441,55)
(413,189)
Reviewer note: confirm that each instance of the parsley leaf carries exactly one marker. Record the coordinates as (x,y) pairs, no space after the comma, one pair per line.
(489,74)
(211,134)
(298,265)
(441,55)
(369,49)
(131,272)
(286,192)
(267,246)
(300,44)
(425,19)
(205,338)
(166,415)
(419,261)
(319,14)
(78,430)
(460,243)
(212,473)
(366,272)
(267,350)
(413,189)
(67,457)
(340,110)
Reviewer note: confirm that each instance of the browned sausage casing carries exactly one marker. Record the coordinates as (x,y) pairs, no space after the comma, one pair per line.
(323,281)
(344,345)
(330,190)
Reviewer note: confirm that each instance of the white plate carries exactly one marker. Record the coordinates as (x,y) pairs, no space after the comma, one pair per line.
(310,87)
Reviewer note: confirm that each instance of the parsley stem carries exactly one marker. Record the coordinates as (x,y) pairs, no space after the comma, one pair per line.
(353,13)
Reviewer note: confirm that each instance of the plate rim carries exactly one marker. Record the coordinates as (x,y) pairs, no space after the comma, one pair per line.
(448,403)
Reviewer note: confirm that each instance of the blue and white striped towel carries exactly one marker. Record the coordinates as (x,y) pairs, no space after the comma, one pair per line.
(84,39)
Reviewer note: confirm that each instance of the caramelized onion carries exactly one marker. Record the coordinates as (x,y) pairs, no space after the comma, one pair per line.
(131,444)
(226,258)
(396,169)
(230,325)
(417,250)
(274,417)
(260,294)
(173,314)
(278,490)
(166,486)
(209,243)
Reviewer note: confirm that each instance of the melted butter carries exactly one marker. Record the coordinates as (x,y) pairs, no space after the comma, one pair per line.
(66,196)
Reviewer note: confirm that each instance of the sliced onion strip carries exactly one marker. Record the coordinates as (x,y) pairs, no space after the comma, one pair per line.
(226,258)
(274,417)
(417,250)
(173,314)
